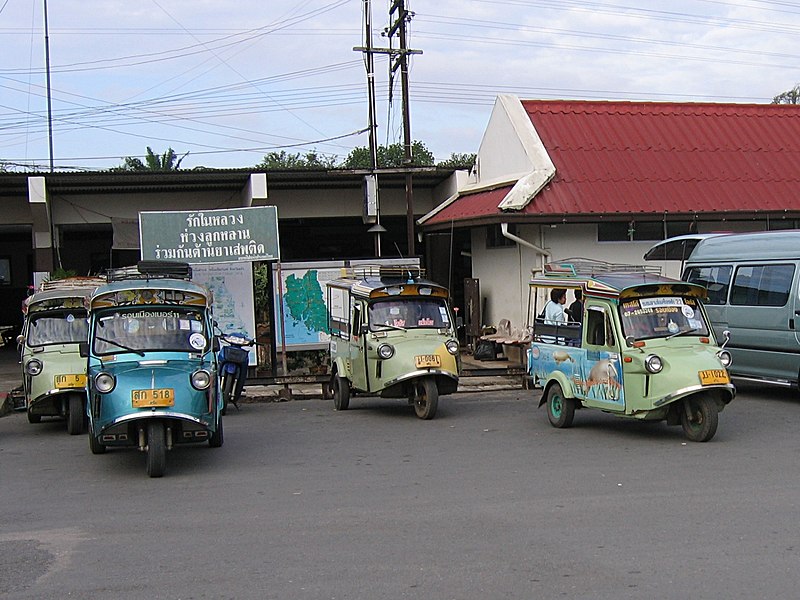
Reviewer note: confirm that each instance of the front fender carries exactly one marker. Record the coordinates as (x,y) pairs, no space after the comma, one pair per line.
(562,380)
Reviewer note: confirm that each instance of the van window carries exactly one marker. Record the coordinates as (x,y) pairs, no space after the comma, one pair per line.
(716,279)
(762,285)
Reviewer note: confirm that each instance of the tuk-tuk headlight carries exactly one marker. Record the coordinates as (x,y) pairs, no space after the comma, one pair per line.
(200,379)
(452,346)
(725,358)
(653,363)
(104,382)
(386,351)
(33,366)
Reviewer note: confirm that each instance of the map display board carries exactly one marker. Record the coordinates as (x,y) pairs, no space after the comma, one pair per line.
(234,302)
(302,291)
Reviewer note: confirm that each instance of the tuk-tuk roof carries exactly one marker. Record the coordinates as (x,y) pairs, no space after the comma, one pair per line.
(51,292)
(376,281)
(598,279)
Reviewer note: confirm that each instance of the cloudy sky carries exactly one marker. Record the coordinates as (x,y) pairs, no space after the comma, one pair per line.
(228,82)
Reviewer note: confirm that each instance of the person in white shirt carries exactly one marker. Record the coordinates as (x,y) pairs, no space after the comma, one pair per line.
(554,309)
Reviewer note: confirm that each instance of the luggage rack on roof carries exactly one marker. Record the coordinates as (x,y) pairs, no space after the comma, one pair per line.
(410,271)
(151,269)
(587,266)
(69,283)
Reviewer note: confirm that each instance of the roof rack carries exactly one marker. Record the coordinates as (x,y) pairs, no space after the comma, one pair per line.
(587,266)
(410,271)
(71,283)
(151,269)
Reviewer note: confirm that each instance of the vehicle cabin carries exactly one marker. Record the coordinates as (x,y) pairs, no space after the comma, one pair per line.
(53,372)
(393,334)
(753,281)
(643,349)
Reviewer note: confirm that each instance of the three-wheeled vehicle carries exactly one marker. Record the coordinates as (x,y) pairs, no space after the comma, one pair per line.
(53,372)
(644,349)
(152,366)
(392,334)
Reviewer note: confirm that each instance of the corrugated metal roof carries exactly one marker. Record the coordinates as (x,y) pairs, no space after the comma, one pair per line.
(637,158)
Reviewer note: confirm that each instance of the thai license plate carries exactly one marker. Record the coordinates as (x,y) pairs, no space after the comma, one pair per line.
(714,376)
(148,398)
(69,381)
(427,360)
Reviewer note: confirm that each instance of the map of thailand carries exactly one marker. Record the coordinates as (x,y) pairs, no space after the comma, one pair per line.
(305,305)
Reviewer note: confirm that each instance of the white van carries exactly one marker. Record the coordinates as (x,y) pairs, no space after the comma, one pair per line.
(753,281)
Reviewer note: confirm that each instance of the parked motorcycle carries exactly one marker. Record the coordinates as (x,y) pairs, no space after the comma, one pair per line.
(233,360)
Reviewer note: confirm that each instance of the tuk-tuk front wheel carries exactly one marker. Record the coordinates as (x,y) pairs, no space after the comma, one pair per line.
(156,449)
(425,395)
(341,392)
(560,410)
(94,445)
(699,417)
(217,438)
(34,418)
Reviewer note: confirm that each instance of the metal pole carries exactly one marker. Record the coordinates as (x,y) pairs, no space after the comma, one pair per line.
(49,99)
(373,125)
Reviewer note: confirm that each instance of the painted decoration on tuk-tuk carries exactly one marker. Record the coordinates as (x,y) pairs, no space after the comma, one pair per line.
(591,374)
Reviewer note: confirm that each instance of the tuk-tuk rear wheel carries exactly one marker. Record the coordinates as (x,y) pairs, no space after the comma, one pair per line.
(560,410)
(94,445)
(341,393)
(426,397)
(75,415)
(699,417)
(156,449)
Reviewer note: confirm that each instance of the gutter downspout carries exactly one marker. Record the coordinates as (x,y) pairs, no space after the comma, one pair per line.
(541,251)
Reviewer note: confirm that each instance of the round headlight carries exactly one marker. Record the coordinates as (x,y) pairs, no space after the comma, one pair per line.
(200,379)
(104,382)
(653,363)
(725,358)
(33,366)
(386,351)
(452,346)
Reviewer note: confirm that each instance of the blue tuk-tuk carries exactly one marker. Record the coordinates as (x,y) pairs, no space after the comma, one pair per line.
(152,370)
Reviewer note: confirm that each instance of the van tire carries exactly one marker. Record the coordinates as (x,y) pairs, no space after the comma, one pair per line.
(341,393)
(560,410)
(75,415)
(426,397)
(699,417)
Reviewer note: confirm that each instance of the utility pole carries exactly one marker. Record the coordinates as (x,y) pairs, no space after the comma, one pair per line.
(49,101)
(401,61)
(400,57)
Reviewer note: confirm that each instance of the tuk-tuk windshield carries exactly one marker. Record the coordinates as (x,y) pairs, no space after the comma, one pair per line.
(57,327)
(141,329)
(409,313)
(662,317)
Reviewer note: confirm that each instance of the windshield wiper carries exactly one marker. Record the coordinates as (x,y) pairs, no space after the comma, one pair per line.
(684,332)
(387,325)
(118,345)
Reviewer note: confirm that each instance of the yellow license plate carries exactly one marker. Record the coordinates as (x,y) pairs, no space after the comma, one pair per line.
(69,381)
(148,398)
(714,376)
(427,360)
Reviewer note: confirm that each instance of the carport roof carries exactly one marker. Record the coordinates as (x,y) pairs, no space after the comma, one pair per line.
(618,160)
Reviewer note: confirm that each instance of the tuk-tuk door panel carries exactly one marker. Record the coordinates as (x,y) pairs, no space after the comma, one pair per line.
(600,369)
(358,340)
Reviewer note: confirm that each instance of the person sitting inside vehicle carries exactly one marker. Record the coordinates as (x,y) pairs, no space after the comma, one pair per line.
(554,309)
(575,310)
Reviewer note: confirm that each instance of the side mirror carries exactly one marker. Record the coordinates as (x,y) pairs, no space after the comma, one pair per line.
(726,337)
(20,339)
(83,349)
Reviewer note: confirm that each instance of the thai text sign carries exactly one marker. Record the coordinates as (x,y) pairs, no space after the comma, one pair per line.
(210,236)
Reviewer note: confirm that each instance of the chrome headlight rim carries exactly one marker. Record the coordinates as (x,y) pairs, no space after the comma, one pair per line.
(33,367)
(725,358)
(452,346)
(386,351)
(104,382)
(200,379)
(653,363)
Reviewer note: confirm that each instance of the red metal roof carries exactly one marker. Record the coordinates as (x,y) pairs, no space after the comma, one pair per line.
(636,158)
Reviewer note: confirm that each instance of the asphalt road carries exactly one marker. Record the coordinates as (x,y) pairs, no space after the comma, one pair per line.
(486,501)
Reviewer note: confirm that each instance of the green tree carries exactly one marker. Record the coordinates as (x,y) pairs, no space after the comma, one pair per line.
(390,156)
(458,161)
(791,96)
(284,160)
(168,161)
